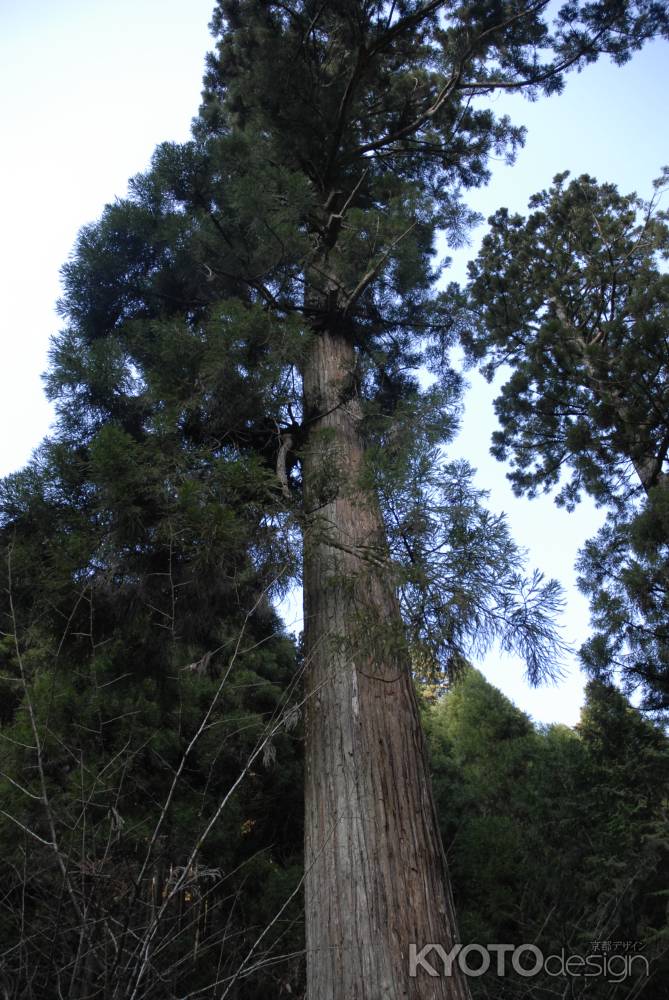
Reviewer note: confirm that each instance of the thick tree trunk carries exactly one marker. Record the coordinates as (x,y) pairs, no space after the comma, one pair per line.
(376,879)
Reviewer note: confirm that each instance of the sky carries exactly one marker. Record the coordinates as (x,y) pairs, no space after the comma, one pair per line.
(88,89)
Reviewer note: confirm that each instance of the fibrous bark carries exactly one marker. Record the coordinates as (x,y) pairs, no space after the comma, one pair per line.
(376,877)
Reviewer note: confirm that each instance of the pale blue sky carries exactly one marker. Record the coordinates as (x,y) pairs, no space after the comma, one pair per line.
(87,91)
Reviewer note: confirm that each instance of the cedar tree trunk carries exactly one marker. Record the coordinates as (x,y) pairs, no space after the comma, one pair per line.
(376,878)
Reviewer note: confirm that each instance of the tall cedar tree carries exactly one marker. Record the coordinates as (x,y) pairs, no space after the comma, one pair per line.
(298,229)
(373,107)
(138,540)
(575,299)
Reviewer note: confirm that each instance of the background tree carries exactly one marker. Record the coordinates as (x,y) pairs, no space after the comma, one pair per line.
(624,570)
(144,673)
(555,836)
(574,298)
(150,830)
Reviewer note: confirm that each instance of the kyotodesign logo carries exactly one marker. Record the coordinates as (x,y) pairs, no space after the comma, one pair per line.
(525,960)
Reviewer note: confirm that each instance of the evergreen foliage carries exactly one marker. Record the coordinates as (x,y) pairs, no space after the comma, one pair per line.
(574,298)
(555,836)
(144,674)
(122,845)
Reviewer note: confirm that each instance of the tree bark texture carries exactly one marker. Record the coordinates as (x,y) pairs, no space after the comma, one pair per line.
(376,878)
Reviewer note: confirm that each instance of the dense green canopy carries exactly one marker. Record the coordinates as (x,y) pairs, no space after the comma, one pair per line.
(574,301)
(556,836)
